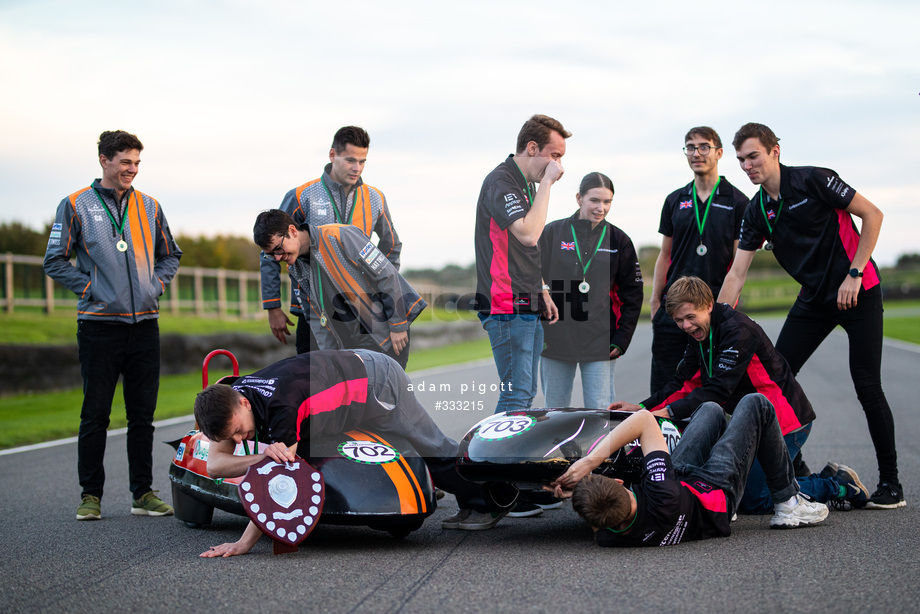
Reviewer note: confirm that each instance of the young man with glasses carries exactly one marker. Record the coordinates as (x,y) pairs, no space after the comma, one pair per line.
(699,227)
(804,215)
(357,299)
(339,196)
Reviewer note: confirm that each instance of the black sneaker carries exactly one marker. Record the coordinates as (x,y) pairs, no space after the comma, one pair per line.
(887,496)
(829,471)
(856,496)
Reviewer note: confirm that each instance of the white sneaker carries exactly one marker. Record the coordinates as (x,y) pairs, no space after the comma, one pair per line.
(799,511)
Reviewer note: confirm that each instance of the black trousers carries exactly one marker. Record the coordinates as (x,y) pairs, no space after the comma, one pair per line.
(805,329)
(668,346)
(108,351)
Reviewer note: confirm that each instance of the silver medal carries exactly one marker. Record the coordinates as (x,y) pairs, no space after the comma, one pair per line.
(583,287)
(768,246)
(121,246)
(701,250)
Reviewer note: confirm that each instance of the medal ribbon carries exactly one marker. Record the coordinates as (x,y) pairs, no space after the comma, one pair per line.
(584,269)
(708,368)
(335,208)
(696,207)
(529,195)
(319,286)
(120,229)
(765,219)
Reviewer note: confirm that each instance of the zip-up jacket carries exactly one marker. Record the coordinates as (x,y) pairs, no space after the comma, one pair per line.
(364,206)
(743,361)
(590,324)
(112,285)
(360,288)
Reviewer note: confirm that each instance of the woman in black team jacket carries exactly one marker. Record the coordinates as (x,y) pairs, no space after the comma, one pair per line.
(593,273)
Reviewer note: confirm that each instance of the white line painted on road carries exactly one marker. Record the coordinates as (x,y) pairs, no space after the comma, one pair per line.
(61,442)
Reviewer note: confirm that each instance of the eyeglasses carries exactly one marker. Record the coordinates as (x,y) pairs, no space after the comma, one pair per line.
(277,250)
(703,149)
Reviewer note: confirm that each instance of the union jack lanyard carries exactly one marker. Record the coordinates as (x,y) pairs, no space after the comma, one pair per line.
(584,286)
(701,250)
(766,219)
(335,208)
(709,367)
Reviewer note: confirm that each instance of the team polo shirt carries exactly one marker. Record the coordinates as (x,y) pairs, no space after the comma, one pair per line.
(318,393)
(743,361)
(508,276)
(670,511)
(814,238)
(679,221)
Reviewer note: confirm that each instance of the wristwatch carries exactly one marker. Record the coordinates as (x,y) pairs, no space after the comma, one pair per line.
(854,272)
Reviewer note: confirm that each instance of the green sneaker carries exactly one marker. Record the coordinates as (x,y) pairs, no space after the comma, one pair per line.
(90,508)
(150,505)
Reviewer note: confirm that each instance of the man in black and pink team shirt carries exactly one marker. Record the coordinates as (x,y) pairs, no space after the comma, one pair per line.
(804,214)
(693,495)
(699,235)
(510,296)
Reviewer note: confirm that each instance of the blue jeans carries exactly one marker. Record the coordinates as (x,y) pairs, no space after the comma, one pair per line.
(756,499)
(517,341)
(597,388)
(722,456)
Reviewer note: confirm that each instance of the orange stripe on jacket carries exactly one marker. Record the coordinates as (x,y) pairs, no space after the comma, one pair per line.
(338,271)
(141,240)
(408,500)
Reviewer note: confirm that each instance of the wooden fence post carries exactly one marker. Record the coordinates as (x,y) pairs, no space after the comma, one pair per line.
(199,291)
(9,282)
(221,293)
(49,295)
(244,293)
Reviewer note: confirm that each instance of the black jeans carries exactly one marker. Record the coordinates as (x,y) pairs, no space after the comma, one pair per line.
(722,455)
(805,329)
(108,351)
(668,346)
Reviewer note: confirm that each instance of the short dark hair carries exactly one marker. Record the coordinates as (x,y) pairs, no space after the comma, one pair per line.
(270,224)
(688,289)
(755,131)
(538,129)
(214,406)
(594,180)
(350,135)
(112,142)
(707,133)
(601,501)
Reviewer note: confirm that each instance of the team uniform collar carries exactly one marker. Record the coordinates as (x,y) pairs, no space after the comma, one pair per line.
(584,226)
(110,192)
(327,178)
(722,185)
(516,172)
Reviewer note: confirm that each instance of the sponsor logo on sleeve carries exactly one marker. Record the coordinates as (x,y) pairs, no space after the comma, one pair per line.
(57,227)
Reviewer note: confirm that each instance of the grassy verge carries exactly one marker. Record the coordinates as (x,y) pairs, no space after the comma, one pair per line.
(30,418)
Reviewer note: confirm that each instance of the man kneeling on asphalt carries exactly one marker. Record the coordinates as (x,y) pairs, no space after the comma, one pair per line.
(304,396)
(693,494)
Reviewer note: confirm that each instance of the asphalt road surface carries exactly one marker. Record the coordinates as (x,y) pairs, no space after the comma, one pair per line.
(856,561)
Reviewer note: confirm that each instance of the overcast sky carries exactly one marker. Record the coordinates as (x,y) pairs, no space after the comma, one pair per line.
(237,101)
